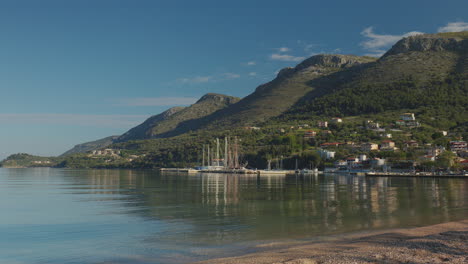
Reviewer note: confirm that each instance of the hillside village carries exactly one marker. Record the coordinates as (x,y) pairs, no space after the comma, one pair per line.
(334,144)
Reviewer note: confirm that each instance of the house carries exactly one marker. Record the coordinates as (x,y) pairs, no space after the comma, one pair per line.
(456,146)
(411,144)
(340,163)
(408,117)
(372,125)
(322,124)
(352,161)
(387,145)
(326,154)
(464,164)
(376,162)
(326,132)
(367,147)
(435,151)
(362,157)
(336,120)
(310,134)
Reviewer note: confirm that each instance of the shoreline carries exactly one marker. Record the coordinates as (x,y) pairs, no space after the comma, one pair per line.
(440,243)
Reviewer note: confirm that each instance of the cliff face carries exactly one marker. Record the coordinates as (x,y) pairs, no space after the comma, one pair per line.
(324,63)
(456,42)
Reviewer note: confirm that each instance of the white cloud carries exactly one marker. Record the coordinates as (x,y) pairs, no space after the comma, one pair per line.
(120,121)
(283,49)
(377,43)
(285,57)
(156,101)
(230,75)
(454,27)
(252,74)
(251,63)
(196,79)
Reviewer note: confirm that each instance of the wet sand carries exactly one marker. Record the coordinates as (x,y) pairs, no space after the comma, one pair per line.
(442,243)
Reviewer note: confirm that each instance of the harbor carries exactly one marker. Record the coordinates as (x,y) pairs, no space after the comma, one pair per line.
(230,162)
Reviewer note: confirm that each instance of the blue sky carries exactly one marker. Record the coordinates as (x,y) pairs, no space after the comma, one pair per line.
(75,71)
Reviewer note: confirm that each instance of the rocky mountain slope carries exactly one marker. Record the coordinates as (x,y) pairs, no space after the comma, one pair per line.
(159,125)
(275,97)
(88,146)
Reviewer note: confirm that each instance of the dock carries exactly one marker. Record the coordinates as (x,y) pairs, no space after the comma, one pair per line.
(184,170)
(229,171)
(415,175)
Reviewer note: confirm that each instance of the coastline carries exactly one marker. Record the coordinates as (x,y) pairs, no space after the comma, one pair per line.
(440,243)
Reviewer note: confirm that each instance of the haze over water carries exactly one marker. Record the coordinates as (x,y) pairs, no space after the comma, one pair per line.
(124,216)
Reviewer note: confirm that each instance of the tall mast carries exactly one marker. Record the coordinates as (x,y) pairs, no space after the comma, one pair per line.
(209,163)
(203,156)
(236,154)
(225,152)
(217,151)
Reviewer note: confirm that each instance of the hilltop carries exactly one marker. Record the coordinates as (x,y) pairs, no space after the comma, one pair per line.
(160,125)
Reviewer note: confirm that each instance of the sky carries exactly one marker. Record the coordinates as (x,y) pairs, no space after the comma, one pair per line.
(76,71)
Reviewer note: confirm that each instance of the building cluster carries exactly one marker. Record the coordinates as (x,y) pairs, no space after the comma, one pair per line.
(359,162)
(41,162)
(408,120)
(105,152)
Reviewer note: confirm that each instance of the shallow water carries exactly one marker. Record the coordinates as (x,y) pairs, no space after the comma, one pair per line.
(125,216)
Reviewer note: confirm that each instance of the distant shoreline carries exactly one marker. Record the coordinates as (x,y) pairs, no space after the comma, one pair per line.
(440,243)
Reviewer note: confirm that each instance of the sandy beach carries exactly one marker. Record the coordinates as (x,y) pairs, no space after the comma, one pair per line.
(441,243)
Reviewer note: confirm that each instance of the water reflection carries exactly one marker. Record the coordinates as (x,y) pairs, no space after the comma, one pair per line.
(126,216)
(238,207)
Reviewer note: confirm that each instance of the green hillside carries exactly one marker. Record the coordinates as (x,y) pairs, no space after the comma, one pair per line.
(162,124)
(23,160)
(275,97)
(419,73)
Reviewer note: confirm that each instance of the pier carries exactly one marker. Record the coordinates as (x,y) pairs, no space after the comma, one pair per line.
(416,175)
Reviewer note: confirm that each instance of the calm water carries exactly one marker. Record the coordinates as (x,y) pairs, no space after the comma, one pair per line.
(123,216)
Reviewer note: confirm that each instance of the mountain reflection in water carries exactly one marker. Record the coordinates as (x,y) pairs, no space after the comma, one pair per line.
(125,216)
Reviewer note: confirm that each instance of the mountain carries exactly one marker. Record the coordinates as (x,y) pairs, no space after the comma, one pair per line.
(423,74)
(427,72)
(160,125)
(88,146)
(275,97)
(145,130)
